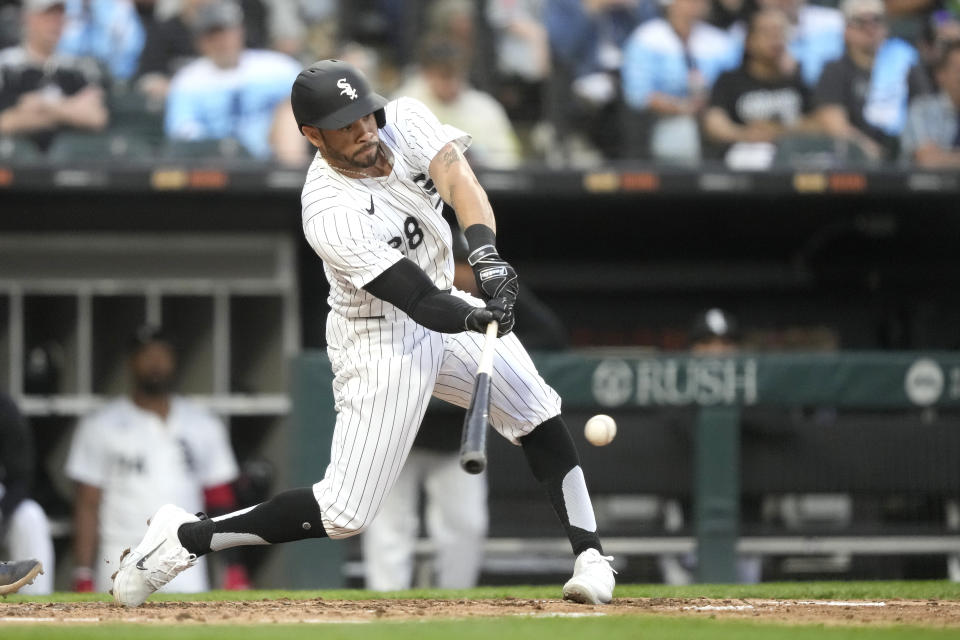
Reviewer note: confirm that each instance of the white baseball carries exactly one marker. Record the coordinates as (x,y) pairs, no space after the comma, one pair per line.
(600,430)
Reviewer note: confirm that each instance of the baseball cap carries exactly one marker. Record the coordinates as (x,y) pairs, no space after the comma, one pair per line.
(148,334)
(212,16)
(42,5)
(714,323)
(854,8)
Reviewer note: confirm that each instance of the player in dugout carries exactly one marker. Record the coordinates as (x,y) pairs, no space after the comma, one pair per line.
(140,451)
(398,332)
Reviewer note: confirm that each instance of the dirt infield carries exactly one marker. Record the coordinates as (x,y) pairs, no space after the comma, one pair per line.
(931,613)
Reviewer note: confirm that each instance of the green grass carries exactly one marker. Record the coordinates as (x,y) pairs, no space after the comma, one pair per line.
(643,627)
(917,590)
(613,628)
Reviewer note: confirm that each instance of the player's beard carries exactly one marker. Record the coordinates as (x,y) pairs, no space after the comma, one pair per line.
(154,384)
(357,159)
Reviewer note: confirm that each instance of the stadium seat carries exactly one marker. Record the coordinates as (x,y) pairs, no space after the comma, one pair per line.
(227,148)
(19,149)
(131,112)
(69,146)
(818,152)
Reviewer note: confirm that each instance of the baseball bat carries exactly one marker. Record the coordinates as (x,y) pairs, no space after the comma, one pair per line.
(473,445)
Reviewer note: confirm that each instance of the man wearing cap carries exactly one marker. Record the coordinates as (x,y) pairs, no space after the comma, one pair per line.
(234,92)
(42,91)
(862,97)
(714,333)
(135,454)
(398,333)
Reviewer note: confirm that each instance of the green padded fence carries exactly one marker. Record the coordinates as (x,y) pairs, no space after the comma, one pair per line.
(718,385)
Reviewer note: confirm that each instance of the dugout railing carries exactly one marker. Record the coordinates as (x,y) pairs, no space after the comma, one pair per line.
(717,431)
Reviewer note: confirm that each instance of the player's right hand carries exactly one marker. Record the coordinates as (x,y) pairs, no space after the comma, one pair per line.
(498,309)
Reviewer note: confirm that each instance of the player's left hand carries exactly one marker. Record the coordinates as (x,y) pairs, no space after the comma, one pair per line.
(502,311)
(497,309)
(495,277)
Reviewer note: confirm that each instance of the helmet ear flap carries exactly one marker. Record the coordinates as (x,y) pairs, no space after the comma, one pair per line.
(381,118)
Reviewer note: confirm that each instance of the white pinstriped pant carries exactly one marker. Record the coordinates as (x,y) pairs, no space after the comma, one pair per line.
(384,374)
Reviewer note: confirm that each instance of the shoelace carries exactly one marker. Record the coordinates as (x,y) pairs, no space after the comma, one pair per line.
(596,560)
(168,567)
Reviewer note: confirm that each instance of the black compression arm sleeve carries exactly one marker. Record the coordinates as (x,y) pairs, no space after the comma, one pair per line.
(407,287)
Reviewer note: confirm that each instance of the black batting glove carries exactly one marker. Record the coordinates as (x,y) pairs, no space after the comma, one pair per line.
(497,309)
(478,319)
(502,310)
(495,277)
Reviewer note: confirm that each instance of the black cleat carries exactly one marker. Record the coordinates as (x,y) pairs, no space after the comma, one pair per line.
(14,575)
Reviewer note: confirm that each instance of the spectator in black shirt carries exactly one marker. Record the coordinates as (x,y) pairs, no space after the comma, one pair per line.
(170,45)
(862,97)
(753,106)
(41,91)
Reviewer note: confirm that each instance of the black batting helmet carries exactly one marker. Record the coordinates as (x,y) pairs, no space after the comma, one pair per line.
(331,94)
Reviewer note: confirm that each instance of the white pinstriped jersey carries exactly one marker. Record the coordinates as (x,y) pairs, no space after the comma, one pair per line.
(361,227)
(385,365)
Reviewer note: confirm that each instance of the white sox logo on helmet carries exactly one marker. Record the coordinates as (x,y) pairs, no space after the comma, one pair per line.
(348,90)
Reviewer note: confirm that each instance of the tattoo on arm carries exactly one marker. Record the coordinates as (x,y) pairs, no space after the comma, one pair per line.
(450,156)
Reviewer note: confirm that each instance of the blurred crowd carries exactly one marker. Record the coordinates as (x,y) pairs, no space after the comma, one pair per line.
(752,84)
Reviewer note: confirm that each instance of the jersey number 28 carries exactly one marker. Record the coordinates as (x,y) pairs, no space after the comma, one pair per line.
(411,229)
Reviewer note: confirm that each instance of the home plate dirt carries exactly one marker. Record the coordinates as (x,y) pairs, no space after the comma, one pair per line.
(936,613)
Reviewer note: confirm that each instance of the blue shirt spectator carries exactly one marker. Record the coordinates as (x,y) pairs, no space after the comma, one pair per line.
(817,39)
(207,102)
(586,46)
(656,60)
(586,37)
(234,93)
(106,30)
(669,65)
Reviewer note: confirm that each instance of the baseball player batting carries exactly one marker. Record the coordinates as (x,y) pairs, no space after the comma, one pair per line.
(397,332)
